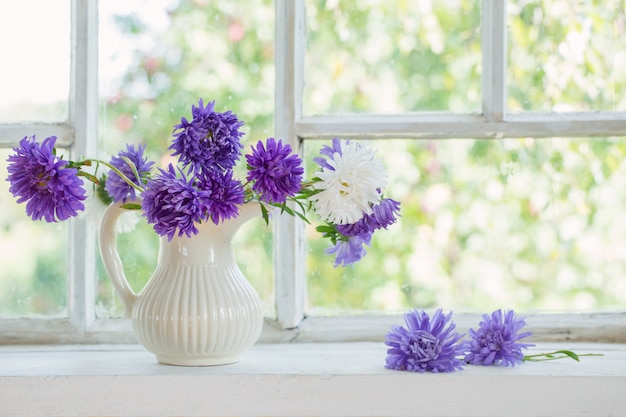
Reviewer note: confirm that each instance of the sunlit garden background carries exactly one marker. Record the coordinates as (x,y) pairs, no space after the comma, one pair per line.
(527,223)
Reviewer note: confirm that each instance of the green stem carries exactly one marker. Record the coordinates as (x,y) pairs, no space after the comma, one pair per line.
(114,169)
(132,167)
(557,354)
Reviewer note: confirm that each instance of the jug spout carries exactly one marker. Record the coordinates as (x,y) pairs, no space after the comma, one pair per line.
(249,211)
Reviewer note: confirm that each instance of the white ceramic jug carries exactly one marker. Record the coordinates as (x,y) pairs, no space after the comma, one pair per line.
(197,309)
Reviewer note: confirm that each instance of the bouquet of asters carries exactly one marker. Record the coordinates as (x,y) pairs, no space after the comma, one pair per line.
(346,192)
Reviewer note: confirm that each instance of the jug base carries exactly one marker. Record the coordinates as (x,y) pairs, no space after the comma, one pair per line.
(197,360)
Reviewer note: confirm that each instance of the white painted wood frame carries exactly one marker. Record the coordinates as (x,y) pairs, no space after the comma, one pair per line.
(292,125)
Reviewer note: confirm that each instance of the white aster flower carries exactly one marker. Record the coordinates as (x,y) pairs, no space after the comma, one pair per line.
(350,179)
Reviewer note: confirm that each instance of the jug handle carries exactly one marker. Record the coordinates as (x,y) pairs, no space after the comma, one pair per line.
(111,258)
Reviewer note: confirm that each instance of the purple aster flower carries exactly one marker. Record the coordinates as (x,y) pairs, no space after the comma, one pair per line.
(496,340)
(225,194)
(276,173)
(329,152)
(210,141)
(426,344)
(172,204)
(52,191)
(383,215)
(350,250)
(119,189)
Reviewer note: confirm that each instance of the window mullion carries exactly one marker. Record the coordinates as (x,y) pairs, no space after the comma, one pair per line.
(494,59)
(289,253)
(10,134)
(83,115)
(450,125)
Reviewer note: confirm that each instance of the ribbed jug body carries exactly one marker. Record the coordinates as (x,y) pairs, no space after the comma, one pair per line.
(197,308)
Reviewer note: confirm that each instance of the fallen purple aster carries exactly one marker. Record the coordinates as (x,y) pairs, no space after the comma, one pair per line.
(496,341)
(426,344)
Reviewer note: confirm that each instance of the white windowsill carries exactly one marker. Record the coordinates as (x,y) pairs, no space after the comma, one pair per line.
(303,379)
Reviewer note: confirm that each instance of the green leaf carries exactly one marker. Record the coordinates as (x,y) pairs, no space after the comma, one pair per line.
(325,229)
(101,193)
(570,354)
(265,214)
(131,206)
(90,177)
(285,209)
(303,217)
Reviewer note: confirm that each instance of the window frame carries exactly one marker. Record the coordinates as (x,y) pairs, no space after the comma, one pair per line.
(80,134)
(492,123)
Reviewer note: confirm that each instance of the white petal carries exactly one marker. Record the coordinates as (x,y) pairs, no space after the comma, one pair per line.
(352,187)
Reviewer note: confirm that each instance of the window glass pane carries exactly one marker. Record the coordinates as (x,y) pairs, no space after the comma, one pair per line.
(514,223)
(566,55)
(381,56)
(34,268)
(157,59)
(35,60)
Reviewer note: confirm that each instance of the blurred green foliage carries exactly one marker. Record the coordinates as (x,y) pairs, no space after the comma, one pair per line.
(523,223)
(531,224)
(392,56)
(566,55)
